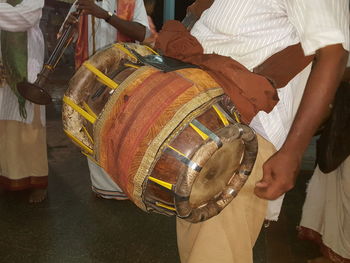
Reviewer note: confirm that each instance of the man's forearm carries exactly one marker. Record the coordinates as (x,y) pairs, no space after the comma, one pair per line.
(346,76)
(282,169)
(319,92)
(132,29)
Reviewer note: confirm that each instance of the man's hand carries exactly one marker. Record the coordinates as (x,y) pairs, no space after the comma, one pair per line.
(72,19)
(90,8)
(281,170)
(199,6)
(279,175)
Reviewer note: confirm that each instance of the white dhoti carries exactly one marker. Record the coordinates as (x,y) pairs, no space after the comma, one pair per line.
(326,212)
(102,184)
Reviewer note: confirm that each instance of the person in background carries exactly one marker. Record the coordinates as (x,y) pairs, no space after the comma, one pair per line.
(101,24)
(105,22)
(23,155)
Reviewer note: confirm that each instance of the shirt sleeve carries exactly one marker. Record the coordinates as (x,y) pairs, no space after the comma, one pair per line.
(140,16)
(21,17)
(320,23)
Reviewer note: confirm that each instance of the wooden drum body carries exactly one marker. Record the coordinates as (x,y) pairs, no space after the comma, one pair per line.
(167,139)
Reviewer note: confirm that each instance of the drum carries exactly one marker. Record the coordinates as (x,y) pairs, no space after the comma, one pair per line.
(170,140)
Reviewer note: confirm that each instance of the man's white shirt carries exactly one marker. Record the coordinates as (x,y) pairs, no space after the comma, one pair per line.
(250,31)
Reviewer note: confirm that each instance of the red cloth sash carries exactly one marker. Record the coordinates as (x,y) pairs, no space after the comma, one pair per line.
(248,91)
(82,45)
(125,10)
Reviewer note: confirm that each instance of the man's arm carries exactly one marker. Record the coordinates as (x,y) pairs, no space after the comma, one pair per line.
(132,29)
(281,170)
(346,76)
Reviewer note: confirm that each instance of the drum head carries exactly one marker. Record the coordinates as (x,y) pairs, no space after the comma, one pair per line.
(223,166)
(216,173)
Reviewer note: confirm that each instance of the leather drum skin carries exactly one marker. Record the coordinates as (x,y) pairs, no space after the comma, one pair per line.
(170,140)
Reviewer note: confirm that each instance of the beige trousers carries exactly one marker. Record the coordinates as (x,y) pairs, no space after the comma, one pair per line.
(230,236)
(23,154)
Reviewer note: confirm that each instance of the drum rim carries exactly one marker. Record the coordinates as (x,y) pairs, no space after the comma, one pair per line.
(184,187)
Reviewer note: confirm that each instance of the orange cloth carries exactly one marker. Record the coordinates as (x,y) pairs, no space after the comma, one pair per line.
(82,45)
(249,92)
(125,10)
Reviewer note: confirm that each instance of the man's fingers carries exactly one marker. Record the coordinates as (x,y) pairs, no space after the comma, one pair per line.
(72,19)
(267,177)
(262,184)
(270,190)
(269,193)
(267,187)
(260,190)
(83,7)
(279,174)
(84,11)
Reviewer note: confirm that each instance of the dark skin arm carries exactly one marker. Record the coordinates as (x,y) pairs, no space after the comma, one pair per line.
(281,170)
(346,76)
(132,29)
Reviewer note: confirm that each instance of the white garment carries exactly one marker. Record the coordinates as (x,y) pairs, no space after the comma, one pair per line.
(102,183)
(250,31)
(105,34)
(23,17)
(327,208)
